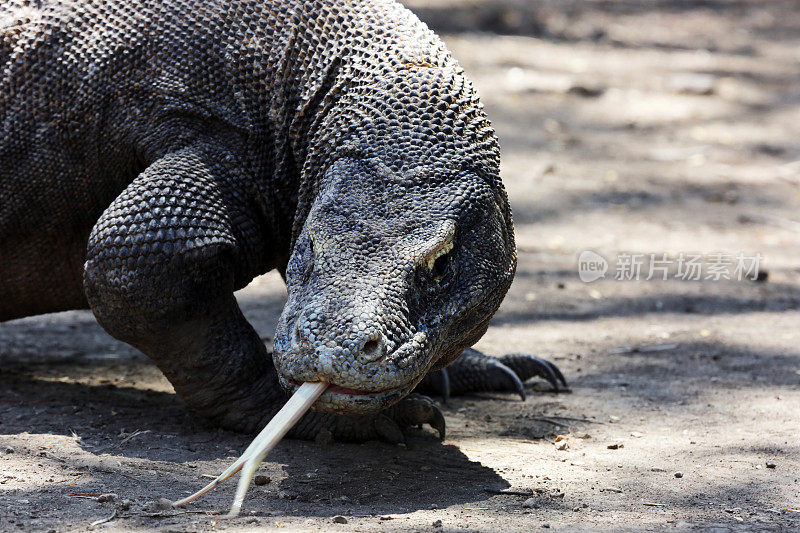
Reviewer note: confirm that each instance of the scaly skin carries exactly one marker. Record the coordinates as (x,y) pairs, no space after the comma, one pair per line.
(156,155)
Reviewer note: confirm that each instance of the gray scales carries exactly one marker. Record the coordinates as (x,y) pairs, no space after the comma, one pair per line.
(157,155)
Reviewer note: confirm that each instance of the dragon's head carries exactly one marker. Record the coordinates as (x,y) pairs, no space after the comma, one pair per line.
(392,275)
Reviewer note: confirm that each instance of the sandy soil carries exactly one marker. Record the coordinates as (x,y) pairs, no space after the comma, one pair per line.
(627,127)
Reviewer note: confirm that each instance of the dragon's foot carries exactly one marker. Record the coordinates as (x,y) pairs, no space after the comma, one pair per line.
(388,425)
(477,372)
(527,366)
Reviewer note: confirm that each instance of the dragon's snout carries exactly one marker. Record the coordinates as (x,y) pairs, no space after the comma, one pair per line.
(352,351)
(363,339)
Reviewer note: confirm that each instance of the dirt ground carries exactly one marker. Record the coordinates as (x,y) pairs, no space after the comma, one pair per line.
(626,127)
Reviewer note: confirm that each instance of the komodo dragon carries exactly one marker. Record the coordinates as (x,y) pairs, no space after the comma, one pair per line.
(157,155)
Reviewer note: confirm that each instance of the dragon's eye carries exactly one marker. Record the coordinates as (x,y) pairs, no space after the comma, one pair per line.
(440,261)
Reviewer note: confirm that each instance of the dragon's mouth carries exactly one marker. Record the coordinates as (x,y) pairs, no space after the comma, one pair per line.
(338,389)
(346,401)
(340,399)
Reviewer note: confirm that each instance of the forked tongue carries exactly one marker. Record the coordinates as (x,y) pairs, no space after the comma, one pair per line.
(264,442)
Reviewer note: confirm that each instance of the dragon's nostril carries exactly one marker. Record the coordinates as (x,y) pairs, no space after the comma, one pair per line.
(372,349)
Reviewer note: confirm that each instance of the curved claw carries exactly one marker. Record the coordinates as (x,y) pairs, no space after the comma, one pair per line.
(438,423)
(417,409)
(527,366)
(557,372)
(547,372)
(478,372)
(508,379)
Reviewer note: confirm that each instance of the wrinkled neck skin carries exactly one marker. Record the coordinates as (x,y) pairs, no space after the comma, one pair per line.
(399,169)
(342,88)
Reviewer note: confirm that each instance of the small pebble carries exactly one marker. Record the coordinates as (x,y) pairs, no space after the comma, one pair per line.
(124,505)
(339,519)
(109,497)
(9,449)
(163,504)
(437,524)
(678,474)
(615,446)
(771,464)
(261,480)
(530,503)
(546,525)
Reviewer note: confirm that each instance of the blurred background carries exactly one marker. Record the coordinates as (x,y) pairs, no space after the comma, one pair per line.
(653,127)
